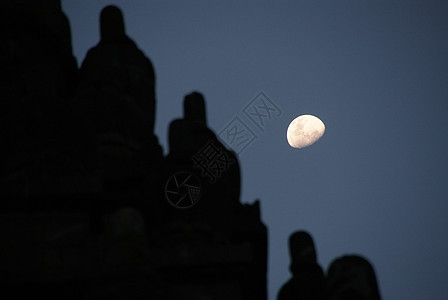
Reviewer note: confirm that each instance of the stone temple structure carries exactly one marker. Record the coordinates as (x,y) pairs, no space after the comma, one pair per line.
(90,206)
(307,281)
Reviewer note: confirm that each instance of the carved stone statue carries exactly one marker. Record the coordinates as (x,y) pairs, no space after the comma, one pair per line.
(307,280)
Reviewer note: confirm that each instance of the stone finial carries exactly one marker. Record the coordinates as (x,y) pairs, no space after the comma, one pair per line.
(194,108)
(351,277)
(307,281)
(111,23)
(301,248)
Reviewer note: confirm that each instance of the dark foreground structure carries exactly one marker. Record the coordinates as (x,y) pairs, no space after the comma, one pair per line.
(307,280)
(90,206)
(349,277)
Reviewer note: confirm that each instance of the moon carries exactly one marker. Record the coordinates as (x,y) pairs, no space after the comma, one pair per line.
(304,131)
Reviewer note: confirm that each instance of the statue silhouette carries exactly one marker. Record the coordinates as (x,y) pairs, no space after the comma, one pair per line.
(84,183)
(351,277)
(126,268)
(218,219)
(116,96)
(307,280)
(194,108)
(37,77)
(195,148)
(117,66)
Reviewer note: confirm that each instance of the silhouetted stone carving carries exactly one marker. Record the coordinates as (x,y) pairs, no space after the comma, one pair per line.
(218,228)
(37,75)
(307,282)
(194,108)
(351,277)
(82,184)
(126,270)
(117,95)
(195,149)
(112,24)
(198,145)
(117,65)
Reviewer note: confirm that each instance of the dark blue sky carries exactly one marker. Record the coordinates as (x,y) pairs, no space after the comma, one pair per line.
(375,72)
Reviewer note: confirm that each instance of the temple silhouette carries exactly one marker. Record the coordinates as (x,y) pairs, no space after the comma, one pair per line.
(91,208)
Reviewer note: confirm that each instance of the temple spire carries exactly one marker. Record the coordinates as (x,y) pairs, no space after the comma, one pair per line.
(111,23)
(194,108)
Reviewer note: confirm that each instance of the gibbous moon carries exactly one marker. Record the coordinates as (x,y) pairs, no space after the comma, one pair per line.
(304,131)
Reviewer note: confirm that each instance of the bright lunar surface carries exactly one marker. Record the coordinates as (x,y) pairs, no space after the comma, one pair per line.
(304,130)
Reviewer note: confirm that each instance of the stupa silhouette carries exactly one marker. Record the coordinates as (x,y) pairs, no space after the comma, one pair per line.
(90,206)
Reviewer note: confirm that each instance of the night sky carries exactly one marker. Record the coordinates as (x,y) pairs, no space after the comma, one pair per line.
(375,72)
